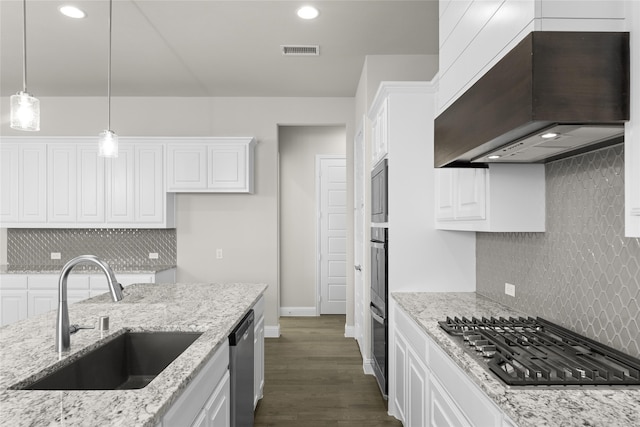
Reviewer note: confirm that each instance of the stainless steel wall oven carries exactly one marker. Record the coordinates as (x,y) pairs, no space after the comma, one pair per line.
(378,306)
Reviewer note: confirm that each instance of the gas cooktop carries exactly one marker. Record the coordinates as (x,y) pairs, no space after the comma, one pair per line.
(527,351)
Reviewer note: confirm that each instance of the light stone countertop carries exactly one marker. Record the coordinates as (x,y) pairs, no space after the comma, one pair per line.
(82,269)
(28,347)
(528,407)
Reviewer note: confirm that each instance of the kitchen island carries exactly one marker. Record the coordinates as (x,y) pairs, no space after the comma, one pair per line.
(27,350)
(525,407)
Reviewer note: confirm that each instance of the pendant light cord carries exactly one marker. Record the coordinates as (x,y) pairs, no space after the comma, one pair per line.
(109,70)
(24,45)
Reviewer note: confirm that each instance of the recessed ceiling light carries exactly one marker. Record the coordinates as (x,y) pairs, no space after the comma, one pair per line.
(549,135)
(72,12)
(308,12)
(493,157)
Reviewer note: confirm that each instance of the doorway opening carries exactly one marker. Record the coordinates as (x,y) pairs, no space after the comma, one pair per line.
(299,228)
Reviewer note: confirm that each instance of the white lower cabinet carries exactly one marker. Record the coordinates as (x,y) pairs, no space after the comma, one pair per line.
(258,351)
(417,390)
(13,298)
(443,411)
(428,388)
(206,400)
(27,295)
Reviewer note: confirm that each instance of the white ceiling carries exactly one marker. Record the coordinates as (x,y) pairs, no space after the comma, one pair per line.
(206,47)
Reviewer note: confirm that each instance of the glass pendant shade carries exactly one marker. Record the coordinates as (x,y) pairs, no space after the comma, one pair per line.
(107,144)
(25,112)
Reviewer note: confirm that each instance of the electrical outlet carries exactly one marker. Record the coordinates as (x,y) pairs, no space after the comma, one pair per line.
(55,255)
(510,289)
(218,253)
(153,255)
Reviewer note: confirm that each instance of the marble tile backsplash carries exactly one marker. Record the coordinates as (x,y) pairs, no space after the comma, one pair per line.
(119,247)
(582,273)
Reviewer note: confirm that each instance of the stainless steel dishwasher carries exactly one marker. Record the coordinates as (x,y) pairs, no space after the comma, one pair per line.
(241,372)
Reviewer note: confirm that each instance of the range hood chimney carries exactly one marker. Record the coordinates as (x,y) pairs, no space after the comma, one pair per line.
(554,95)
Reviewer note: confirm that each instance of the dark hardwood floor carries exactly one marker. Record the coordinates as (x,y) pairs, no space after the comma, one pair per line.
(314,377)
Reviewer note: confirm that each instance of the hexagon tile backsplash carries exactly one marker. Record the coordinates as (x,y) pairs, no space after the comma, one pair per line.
(118,247)
(582,273)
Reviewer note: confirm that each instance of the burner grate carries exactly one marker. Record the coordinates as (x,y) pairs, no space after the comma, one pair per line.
(534,351)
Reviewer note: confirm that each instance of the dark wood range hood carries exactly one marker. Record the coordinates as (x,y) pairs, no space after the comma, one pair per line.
(574,84)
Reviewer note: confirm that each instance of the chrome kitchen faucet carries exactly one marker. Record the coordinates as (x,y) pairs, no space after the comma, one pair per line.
(63,336)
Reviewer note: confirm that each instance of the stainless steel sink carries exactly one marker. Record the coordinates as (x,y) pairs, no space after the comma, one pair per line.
(129,361)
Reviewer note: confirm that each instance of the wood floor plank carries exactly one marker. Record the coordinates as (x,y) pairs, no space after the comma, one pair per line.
(314,377)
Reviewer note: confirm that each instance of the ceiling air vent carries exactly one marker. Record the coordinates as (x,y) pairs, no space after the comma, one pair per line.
(300,50)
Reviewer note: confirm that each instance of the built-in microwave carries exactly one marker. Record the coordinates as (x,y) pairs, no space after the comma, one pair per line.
(379,193)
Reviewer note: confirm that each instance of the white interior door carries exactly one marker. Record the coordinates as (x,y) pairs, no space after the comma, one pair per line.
(332,233)
(359,242)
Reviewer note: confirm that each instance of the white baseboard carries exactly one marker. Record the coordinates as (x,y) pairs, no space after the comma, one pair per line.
(272,331)
(349,331)
(367,366)
(298,312)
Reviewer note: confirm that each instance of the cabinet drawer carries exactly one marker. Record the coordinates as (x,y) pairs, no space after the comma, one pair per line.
(50,281)
(185,410)
(13,281)
(415,338)
(471,400)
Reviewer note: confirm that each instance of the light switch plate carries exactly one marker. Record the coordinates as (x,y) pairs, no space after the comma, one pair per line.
(153,255)
(219,253)
(55,255)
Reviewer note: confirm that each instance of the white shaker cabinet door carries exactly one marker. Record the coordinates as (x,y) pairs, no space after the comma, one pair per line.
(149,184)
(91,183)
(229,168)
(186,167)
(218,407)
(61,183)
(32,195)
(9,154)
(120,187)
(470,188)
(13,306)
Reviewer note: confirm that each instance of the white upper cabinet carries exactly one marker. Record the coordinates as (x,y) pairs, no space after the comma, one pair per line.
(32,178)
(502,198)
(211,165)
(75,184)
(475,34)
(135,191)
(229,166)
(90,185)
(9,183)
(380,133)
(149,191)
(187,167)
(120,186)
(62,183)
(632,129)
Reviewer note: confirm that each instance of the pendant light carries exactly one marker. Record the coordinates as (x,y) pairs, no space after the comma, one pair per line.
(25,109)
(108,139)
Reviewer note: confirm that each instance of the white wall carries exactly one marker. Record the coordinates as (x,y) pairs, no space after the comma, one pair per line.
(376,69)
(244,226)
(299,146)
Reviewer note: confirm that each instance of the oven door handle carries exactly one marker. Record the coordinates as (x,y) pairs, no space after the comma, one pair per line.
(375,313)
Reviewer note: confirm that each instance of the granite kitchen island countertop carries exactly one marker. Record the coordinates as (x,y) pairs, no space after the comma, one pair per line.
(27,349)
(529,406)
